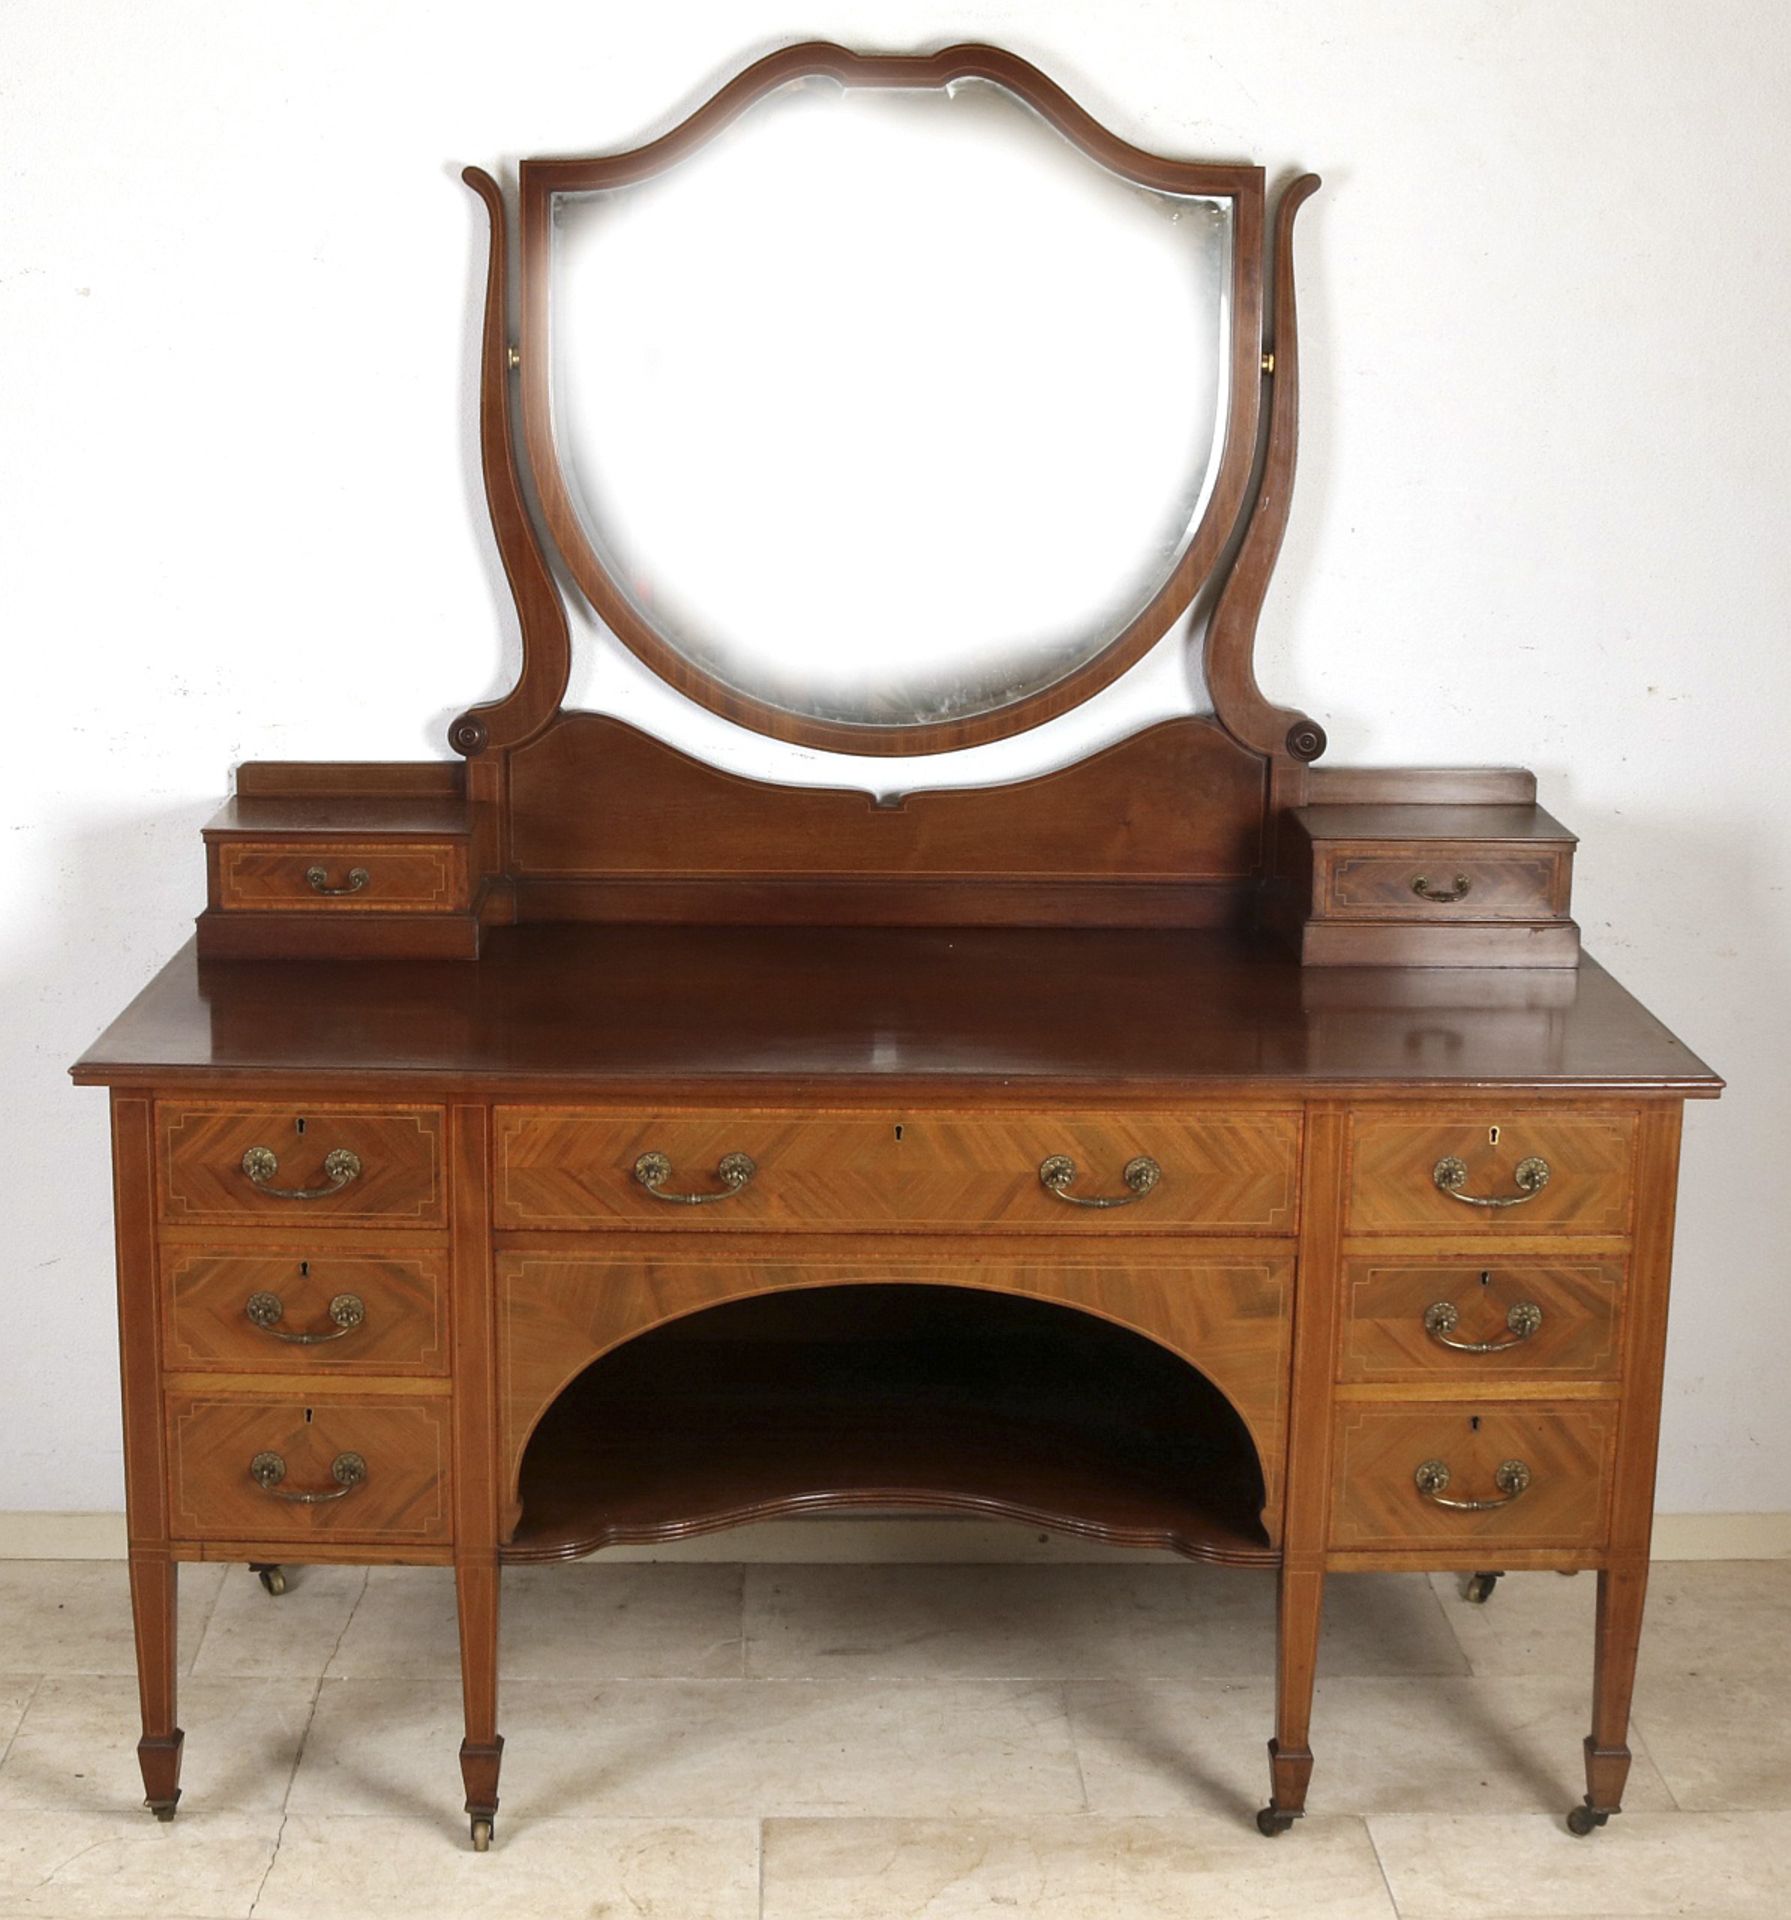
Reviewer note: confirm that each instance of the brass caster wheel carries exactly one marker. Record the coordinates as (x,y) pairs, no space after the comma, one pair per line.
(1477,1589)
(162,1809)
(1271,1824)
(481,1833)
(273,1579)
(1585,1820)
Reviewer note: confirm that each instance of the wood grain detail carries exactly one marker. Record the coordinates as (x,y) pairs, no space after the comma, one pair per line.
(1228,1317)
(200,1151)
(1384,1337)
(573,1168)
(1568,1448)
(643,810)
(402,877)
(1591,1159)
(212,1440)
(1501,886)
(206,1291)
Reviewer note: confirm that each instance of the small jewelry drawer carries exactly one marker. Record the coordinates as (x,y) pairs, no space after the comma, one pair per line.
(281,1468)
(1462,881)
(1024,1172)
(315,1166)
(1491,1173)
(1472,1475)
(342,876)
(1476,1317)
(251,1309)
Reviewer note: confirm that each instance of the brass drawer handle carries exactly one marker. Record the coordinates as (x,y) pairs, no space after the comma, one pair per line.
(733,1170)
(340,1165)
(348,1470)
(319,881)
(1441,1319)
(347,1311)
(1433,1476)
(1451,1175)
(1140,1176)
(1425,891)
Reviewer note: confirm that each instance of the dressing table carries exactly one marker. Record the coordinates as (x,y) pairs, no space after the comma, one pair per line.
(1182,1145)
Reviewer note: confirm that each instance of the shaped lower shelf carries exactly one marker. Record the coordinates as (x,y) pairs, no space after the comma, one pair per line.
(978,1405)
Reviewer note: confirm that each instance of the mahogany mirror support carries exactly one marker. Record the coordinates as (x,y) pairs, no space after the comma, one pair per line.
(1239,702)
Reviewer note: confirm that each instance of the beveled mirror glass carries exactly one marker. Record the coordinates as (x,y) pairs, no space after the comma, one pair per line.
(887,408)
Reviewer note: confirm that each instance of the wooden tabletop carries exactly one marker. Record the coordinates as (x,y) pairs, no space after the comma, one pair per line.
(881,1014)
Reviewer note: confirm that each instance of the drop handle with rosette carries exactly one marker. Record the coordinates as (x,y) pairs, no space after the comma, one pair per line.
(1442,1317)
(1425,891)
(340,1166)
(1451,1175)
(348,1470)
(733,1170)
(347,1312)
(1141,1175)
(318,879)
(1432,1476)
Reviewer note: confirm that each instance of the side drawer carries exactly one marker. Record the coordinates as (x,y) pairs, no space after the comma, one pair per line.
(378,1465)
(1479,1317)
(324,1165)
(1563,1449)
(255,1309)
(1464,881)
(342,876)
(1491,1172)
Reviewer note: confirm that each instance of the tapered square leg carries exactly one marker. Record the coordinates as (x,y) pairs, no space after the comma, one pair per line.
(482,1751)
(1621,1595)
(1299,1611)
(155,1616)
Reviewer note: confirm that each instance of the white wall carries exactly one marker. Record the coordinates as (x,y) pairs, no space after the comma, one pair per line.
(1541,517)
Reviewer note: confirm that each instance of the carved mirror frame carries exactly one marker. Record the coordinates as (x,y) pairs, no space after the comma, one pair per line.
(1276,733)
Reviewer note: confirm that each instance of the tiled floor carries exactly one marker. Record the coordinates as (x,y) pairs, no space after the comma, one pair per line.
(700,1742)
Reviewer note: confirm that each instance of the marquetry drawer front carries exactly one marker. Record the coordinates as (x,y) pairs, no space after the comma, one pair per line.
(1464,882)
(1491,1173)
(301,1167)
(1117,1173)
(1478,1318)
(1524,1475)
(342,876)
(276,1468)
(245,1308)
(716,1171)
(1103,1173)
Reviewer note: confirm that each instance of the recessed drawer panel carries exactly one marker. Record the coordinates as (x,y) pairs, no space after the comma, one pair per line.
(342,876)
(309,1167)
(1472,1475)
(1491,1172)
(1078,1173)
(247,1308)
(1465,882)
(1480,1318)
(276,1468)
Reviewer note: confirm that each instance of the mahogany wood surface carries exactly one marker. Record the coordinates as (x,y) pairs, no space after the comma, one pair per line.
(1017,1011)
(1590,1156)
(214,1435)
(206,1291)
(1385,1300)
(402,876)
(1568,1447)
(202,1180)
(921,1171)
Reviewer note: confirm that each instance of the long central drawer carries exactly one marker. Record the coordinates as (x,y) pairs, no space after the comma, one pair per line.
(1129,1172)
